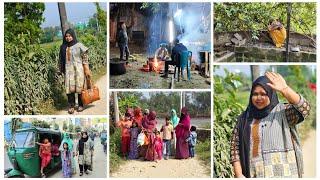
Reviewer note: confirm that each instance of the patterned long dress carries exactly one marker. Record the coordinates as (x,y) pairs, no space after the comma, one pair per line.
(85,158)
(133,154)
(274,144)
(66,157)
(74,77)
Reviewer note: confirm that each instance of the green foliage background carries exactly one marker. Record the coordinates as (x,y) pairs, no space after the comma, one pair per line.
(226,110)
(31,69)
(256,16)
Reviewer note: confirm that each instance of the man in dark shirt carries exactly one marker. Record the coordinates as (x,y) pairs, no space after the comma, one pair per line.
(178,48)
(122,39)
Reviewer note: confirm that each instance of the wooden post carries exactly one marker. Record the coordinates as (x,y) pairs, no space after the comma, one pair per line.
(288,30)
(116,107)
(181,103)
(63,17)
(255,72)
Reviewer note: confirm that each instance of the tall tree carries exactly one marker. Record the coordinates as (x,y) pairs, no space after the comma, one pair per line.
(23,18)
(102,18)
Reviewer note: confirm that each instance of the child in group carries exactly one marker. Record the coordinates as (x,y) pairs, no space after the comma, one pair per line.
(192,140)
(134,132)
(45,154)
(66,157)
(158,145)
(167,132)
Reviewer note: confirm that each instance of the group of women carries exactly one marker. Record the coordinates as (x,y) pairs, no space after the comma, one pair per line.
(135,121)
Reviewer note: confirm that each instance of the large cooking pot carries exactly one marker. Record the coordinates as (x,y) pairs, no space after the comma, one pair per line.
(117,67)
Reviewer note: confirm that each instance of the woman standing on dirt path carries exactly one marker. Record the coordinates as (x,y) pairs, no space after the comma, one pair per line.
(149,125)
(182,131)
(75,67)
(265,140)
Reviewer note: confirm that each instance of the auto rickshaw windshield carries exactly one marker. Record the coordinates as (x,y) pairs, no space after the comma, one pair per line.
(24,139)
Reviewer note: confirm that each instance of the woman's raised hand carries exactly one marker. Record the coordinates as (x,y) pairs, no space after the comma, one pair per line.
(277,82)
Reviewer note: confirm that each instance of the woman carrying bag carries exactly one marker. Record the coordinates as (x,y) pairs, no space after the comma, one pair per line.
(75,67)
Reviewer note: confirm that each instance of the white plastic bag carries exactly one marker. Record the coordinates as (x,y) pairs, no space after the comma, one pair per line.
(141,138)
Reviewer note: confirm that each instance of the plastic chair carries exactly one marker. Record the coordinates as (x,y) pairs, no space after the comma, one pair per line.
(183,61)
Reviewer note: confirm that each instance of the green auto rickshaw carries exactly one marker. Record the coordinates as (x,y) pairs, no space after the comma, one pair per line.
(23,152)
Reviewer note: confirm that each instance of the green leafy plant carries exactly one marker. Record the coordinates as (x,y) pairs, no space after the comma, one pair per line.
(226,110)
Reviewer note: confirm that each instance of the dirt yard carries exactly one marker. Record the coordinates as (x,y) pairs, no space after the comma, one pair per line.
(172,168)
(137,79)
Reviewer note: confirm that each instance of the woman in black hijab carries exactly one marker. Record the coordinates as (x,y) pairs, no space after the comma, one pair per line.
(75,67)
(265,142)
(85,149)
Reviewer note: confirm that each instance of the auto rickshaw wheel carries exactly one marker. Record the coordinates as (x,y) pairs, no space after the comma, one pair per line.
(17,176)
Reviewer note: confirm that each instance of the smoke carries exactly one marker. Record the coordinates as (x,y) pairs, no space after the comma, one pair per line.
(191,22)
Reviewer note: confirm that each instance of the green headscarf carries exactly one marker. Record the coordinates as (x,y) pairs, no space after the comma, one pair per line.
(174,118)
(68,140)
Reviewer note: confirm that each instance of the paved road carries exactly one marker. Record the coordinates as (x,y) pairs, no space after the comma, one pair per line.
(99,164)
(309,155)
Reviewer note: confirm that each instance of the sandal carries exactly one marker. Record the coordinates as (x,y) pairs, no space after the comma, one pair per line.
(81,174)
(80,109)
(43,175)
(87,172)
(71,110)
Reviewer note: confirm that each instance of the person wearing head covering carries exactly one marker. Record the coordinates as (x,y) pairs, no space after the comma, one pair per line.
(174,118)
(176,50)
(85,150)
(138,116)
(182,133)
(265,140)
(146,112)
(149,122)
(69,141)
(134,132)
(149,125)
(75,67)
(125,124)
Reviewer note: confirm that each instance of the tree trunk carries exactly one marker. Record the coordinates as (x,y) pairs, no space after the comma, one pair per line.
(288,31)
(255,72)
(63,17)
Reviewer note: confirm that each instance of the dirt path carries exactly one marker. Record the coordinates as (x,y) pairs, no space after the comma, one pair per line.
(137,79)
(98,107)
(309,155)
(172,168)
